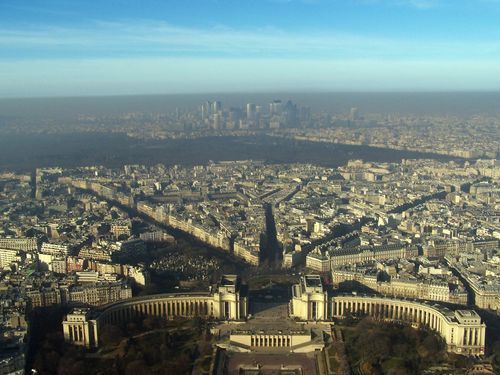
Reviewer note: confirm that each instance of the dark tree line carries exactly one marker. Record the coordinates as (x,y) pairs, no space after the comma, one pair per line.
(145,346)
(387,348)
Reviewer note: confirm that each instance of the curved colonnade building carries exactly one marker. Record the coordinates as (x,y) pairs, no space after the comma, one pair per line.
(225,302)
(462,330)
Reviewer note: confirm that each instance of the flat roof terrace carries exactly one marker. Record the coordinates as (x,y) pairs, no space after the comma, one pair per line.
(312,282)
(271,363)
(229,280)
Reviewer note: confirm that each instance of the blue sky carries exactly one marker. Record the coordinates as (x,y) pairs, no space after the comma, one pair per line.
(58,48)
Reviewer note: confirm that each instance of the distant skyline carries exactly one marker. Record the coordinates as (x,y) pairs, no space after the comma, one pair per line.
(118,47)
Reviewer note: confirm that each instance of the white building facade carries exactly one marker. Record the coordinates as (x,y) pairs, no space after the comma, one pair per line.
(462,330)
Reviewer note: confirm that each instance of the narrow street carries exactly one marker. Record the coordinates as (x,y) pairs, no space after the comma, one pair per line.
(271,253)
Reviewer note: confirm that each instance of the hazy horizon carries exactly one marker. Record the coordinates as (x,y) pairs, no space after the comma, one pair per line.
(214,93)
(411,103)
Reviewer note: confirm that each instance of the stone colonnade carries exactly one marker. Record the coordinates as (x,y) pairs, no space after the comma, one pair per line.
(465,335)
(270,341)
(81,327)
(164,308)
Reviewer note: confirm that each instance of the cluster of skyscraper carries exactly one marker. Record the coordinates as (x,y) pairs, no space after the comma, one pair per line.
(252,116)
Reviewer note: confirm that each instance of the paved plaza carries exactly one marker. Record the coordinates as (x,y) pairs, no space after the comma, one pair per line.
(272,364)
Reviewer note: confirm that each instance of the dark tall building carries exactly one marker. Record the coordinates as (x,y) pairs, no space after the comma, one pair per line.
(233,118)
(290,114)
(305,116)
(275,107)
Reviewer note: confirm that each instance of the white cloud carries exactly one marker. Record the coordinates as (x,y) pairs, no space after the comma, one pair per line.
(148,38)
